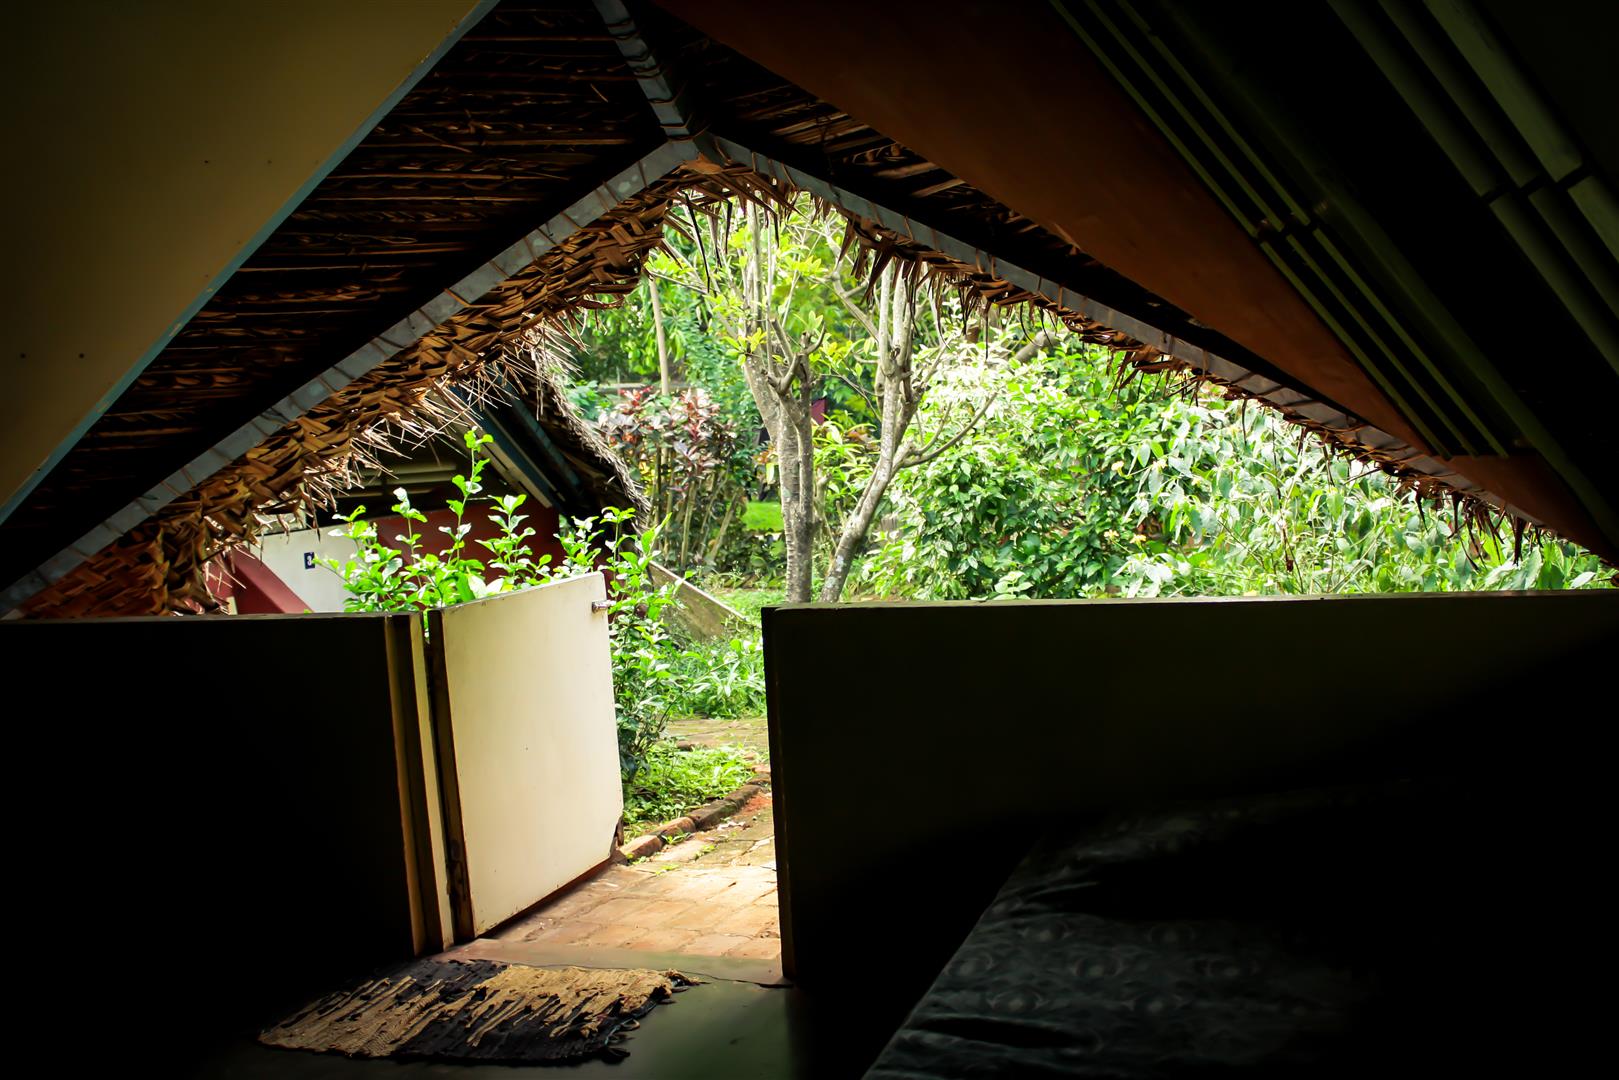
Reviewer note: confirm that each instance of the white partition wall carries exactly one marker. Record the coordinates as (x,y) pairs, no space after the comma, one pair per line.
(528,746)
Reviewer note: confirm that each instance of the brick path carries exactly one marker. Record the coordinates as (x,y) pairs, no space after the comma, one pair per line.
(713,894)
(747,733)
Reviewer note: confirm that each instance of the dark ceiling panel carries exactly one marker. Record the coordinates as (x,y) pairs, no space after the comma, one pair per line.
(532,107)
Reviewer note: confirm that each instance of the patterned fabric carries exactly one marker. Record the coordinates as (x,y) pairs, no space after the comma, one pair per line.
(1276,935)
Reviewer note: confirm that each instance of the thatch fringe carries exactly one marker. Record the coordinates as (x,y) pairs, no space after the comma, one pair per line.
(159,566)
(876,248)
(518,336)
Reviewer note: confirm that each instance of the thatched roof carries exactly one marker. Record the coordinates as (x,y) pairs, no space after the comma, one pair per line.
(569,130)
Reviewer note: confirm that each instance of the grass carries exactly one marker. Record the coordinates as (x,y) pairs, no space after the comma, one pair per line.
(673,782)
(762,517)
(750,601)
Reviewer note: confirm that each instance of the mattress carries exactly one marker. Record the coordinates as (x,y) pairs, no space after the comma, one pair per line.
(1315,932)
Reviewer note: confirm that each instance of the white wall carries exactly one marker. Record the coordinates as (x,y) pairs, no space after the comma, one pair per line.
(286,554)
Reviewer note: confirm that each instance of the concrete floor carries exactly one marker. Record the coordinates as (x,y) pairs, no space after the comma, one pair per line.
(706,906)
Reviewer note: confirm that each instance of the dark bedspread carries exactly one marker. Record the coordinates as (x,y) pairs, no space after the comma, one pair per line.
(1355,931)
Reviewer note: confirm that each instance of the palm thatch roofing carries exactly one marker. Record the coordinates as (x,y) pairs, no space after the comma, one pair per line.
(525,178)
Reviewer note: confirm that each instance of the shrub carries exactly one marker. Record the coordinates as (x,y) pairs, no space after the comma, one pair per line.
(721,679)
(383,578)
(640,644)
(1077,486)
(684,448)
(674,781)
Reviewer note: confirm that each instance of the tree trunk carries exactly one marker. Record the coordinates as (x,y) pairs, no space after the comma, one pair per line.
(900,401)
(793,516)
(782,389)
(855,529)
(895,329)
(664,380)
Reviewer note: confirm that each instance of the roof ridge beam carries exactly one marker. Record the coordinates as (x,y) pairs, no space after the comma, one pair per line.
(659,81)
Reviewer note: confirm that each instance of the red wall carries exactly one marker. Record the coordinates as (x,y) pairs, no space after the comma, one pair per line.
(544,520)
(257,590)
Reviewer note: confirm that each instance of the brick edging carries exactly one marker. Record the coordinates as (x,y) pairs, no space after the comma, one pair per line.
(704,817)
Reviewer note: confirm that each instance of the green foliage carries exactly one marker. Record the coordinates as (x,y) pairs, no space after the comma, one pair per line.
(750,601)
(1076,486)
(640,643)
(589,400)
(623,347)
(845,451)
(711,326)
(683,447)
(1073,485)
(383,578)
(708,363)
(720,679)
(674,781)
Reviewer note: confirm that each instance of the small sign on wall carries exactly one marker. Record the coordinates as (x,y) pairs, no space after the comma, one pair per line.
(309,560)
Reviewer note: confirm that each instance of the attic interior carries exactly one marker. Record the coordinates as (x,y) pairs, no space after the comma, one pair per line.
(1393,223)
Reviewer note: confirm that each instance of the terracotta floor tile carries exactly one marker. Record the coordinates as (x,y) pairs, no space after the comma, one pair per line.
(757,949)
(663,939)
(713,944)
(750,921)
(661,912)
(700,916)
(612,936)
(567,932)
(620,909)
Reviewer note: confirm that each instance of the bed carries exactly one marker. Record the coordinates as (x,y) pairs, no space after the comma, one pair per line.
(1236,810)
(1339,931)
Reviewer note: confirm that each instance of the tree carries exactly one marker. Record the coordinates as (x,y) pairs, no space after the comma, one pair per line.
(784,301)
(900,387)
(1077,486)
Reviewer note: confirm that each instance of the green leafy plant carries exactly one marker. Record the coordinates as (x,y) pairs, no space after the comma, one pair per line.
(380,577)
(684,449)
(1079,486)
(640,643)
(673,781)
(721,679)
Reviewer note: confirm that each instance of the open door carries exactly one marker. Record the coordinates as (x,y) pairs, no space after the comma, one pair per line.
(527,746)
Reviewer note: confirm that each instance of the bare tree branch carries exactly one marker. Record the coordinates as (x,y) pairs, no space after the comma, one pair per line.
(848,302)
(856,387)
(912,457)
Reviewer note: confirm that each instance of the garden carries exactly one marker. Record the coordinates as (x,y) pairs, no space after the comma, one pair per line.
(808,426)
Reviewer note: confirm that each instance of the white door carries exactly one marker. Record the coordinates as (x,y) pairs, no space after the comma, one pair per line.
(527,746)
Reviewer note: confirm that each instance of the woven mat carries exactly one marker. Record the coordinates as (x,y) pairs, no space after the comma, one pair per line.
(480,1010)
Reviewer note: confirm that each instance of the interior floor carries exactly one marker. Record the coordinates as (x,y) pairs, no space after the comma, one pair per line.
(721,1028)
(729,1026)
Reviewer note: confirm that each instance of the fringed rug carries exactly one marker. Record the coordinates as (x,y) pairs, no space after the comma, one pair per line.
(480,1010)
